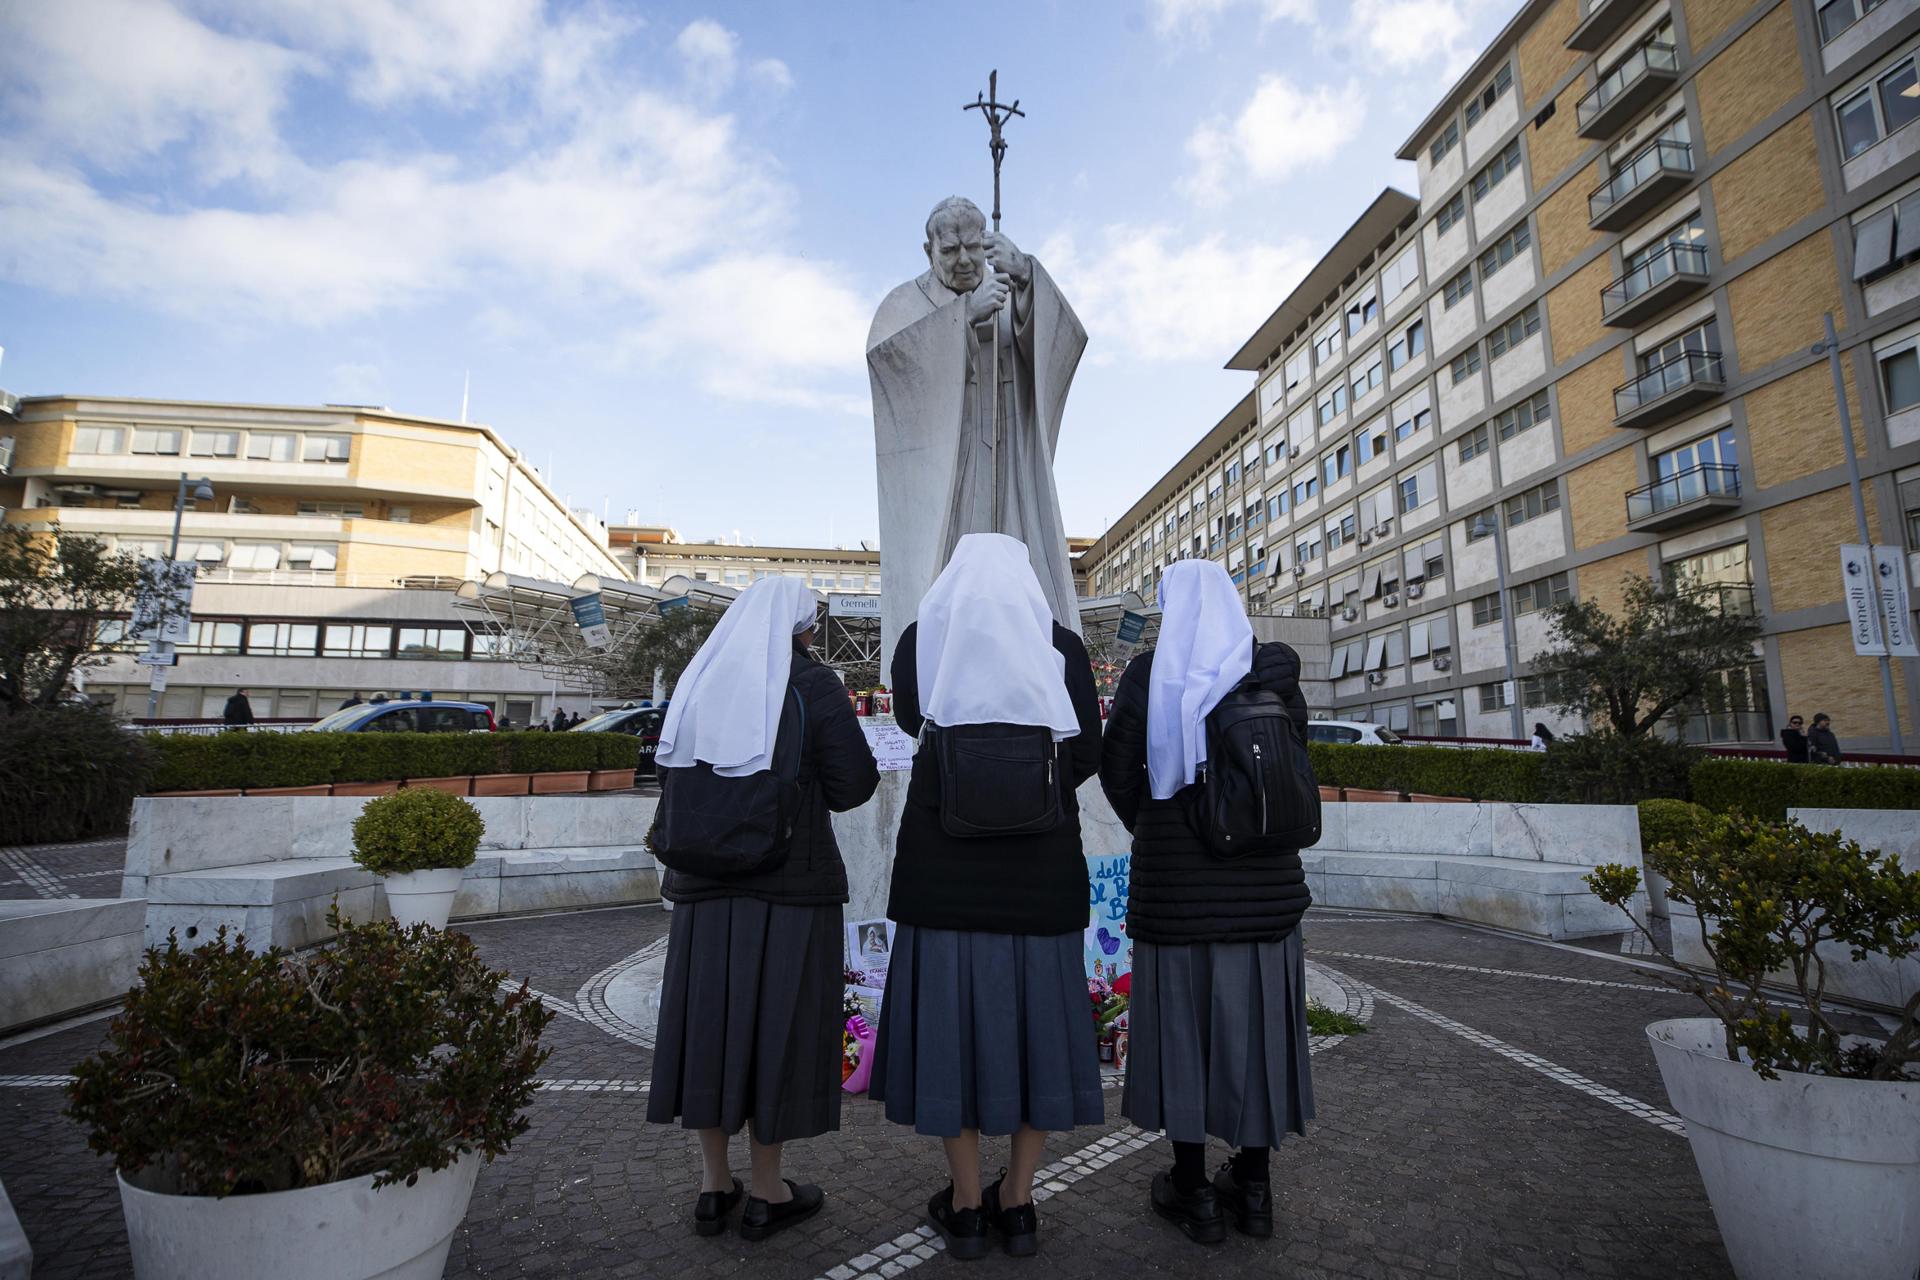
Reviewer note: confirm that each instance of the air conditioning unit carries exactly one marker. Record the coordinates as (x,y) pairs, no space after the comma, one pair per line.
(1378,531)
(1415,591)
(1299,571)
(1376,677)
(1391,600)
(1350,613)
(1294,451)
(78,490)
(1442,663)
(1365,538)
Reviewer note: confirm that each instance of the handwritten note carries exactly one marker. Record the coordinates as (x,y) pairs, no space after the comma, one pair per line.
(1108,949)
(892,748)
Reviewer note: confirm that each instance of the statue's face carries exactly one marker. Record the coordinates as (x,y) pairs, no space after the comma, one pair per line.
(958,252)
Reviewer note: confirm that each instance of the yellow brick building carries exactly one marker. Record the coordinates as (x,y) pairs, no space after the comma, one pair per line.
(1632,219)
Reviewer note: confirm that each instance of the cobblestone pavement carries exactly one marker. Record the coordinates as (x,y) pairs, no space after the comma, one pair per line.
(87,869)
(1501,1116)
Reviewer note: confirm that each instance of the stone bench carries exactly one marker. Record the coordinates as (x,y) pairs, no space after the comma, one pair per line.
(62,954)
(16,1256)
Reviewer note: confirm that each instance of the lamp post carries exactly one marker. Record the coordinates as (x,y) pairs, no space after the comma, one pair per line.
(1489,527)
(202,492)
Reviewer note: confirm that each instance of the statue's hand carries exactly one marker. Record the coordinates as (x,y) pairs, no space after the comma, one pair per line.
(986,300)
(1006,256)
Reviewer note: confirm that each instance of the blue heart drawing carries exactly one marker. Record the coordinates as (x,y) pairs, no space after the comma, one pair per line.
(1108,943)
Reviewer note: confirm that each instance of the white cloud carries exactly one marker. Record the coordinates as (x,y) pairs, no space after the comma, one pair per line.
(1198,16)
(711,54)
(1149,296)
(1409,33)
(771,73)
(1282,128)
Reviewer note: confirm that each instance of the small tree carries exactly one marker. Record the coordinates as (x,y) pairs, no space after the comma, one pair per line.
(55,591)
(666,645)
(1661,653)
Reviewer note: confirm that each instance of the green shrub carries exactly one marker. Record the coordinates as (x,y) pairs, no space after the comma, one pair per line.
(1475,773)
(387,1052)
(1609,768)
(617,750)
(224,761)
(1768,788)
(1670,822)
(418,829)
(67,773)
(551,752)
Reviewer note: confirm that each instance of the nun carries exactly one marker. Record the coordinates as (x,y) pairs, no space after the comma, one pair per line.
(750,1018)
(1218,1019)
(986,1027)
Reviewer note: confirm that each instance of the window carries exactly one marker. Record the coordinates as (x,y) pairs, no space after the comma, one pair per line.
(1910,508)
(1723,575)
(1466,364)
(1458,289)
(1474,443)
(1298,366)
(1889,103)
(1362,311)
(1277,505)
(1339,533)
(271,446)
(320,557)
(1373,440)
(1417,489)
(1400,274)
(254,555)
(1888,239)
(1306,550)
(1412,415)
(1502,164)
(1493,697)
(1514,332)
(1900,377)
(1504,250)
(333,510)
(1528,413)
(1333,403)
(1487,610)
(1449,139)
(1451,212)
(1337,465)
(1233,473)
(1305,488)
(99,439)
(433,642)
(215,444)
(1548,689)
(1481,524)
(1537,501)
(1484,100)
(156,440)
(283,639)
(326,448)
(1411,342)
(211,637)
(1436,719)
(1837,15)
(1326,343)
(1544,593)
(1734,709)
(1367,380)
(400,515)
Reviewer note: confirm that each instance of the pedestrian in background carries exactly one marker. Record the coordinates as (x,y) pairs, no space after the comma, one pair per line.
(1794,739)
(1542,737)
(1822,746)
(985,1027)
(239,711)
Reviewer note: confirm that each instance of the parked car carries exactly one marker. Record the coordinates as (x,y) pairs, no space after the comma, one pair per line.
(1362,732)
(409,717)
(643,722)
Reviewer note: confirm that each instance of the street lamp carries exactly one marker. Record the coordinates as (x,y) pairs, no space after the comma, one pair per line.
(1486,525)
(202,492)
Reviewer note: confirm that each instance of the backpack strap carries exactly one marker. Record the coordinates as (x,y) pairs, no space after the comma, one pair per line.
(788,765)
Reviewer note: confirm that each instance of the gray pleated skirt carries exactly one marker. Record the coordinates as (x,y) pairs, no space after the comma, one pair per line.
(987,1031)
(750,1020)
(1217,1033)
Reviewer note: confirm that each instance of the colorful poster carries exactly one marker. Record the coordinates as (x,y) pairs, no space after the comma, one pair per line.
(1109,951)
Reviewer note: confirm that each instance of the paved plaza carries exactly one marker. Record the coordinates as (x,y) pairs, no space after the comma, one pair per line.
(1500,1116)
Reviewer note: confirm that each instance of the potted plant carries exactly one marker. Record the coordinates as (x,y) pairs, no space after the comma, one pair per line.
(418,841)
(1807,1138)
(308,1116)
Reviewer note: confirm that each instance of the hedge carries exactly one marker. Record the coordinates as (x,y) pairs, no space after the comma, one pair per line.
(1475,773)
(1767,789)
(242,760)
(67,773)
(1669,822)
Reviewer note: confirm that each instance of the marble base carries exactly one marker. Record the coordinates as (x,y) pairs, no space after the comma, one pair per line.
(16,1255)
(62,955)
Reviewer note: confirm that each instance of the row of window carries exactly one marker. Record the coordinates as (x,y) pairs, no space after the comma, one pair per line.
(1529,597)
(317,557)
(296,639)
(174,442)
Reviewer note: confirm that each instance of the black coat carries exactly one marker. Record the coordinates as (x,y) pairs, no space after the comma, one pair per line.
(837,773)
(1179,893)
(1031,884)
(1796,744)
(1822,746)
(239,710)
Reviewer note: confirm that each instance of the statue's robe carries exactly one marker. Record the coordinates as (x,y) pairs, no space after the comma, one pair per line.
(944,468)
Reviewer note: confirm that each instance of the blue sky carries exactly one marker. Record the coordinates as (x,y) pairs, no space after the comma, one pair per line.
(655,234)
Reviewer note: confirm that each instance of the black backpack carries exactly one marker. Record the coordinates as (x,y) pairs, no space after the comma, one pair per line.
(1256,793)
(714,826)
(997,779)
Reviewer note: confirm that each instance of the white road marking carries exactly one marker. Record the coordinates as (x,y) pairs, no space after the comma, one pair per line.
(1499,973)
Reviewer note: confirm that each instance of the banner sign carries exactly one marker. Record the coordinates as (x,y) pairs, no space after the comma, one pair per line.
(674,605)
(162,605)
(1858,590)
(841,605)
(1896,609)
(1132,627)
(592,617)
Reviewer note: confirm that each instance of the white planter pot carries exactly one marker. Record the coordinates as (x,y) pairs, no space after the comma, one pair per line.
(1808,1175)
(340,1231)
(423,897)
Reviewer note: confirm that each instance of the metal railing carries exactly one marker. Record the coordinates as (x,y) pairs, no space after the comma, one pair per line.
(1663,155)
(1648,56)
(1689,368)
(1668,261)
(1706,480)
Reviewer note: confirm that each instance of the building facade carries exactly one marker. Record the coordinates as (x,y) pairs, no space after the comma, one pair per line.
(1588,351)
(655,554)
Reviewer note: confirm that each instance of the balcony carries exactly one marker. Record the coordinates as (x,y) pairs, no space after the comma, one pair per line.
(1678,499)
(1673,274)
(1603,19)
(1642,76)
(1642,184)
(1669,388)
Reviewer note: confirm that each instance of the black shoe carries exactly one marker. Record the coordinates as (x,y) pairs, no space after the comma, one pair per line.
(1197,1213)
(711,1209)
(1249,1204)
(1017,1224)
(965,1230)
(760,1219)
